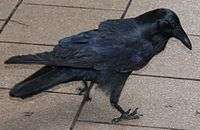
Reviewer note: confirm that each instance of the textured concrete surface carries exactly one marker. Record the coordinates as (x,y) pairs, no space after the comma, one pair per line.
(6,7)
(163,102)
(46,25)
(104,4)
(12,74)
(96,126)
(187,10)
(166,102)
(52,111)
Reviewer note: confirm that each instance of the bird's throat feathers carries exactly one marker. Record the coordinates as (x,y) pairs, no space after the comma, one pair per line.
(159,43)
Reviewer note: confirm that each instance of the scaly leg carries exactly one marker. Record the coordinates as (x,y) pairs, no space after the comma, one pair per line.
(87,92)
(125,115)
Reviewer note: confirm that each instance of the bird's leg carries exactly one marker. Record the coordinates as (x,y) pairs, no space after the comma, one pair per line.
(125,115)
(84,89)
(87,92)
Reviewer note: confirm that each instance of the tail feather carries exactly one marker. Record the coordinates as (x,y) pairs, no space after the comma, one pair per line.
(40,58)
(38,73)
(44,79)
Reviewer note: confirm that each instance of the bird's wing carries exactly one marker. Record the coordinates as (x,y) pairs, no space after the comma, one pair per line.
(119,25)
(92,49)
(81,38)
(96,49)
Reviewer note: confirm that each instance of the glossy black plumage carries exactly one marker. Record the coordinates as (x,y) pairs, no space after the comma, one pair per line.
(106,55)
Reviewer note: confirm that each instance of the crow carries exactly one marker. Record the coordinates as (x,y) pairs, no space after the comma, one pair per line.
(105,56)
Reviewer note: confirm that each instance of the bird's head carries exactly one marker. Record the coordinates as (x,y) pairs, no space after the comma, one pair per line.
(168,24)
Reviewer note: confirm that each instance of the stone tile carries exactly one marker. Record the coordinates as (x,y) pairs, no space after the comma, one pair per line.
(6,7)
(12,74)
(104,4)
(163,102)
(176,61)
(94,126)
(46,25)
(45,112)
(187,10)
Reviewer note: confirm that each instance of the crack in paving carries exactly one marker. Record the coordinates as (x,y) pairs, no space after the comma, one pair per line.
(18,22)
(75,7)
(15,21)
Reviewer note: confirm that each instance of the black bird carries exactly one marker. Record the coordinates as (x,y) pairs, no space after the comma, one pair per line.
(106,56)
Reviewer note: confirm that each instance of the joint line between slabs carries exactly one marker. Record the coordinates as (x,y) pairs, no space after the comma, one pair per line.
(130,125)
(165,77)
(126,9)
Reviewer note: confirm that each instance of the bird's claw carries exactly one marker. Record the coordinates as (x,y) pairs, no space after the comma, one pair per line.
(127,116)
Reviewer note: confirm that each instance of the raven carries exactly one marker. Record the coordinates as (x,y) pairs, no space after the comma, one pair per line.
(105,56)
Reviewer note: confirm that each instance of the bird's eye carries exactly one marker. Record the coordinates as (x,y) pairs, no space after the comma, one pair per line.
(164,24)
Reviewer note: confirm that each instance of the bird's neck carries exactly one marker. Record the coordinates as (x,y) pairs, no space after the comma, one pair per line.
(159,42)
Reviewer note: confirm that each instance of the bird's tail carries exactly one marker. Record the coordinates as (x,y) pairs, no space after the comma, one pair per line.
(43,79)
(39,58)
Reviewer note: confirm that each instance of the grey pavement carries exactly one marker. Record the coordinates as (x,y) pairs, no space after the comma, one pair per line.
(166,91)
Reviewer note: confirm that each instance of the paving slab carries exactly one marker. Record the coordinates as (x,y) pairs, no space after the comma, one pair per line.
(104,4)
(46,25)
(187,10)
(6,7)
(52,111)
(96,126)
(163,102)
(12,74)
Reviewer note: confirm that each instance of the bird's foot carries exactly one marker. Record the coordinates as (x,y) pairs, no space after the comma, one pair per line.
(128,116)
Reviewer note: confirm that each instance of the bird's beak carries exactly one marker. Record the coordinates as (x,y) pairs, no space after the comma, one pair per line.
(180,34)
